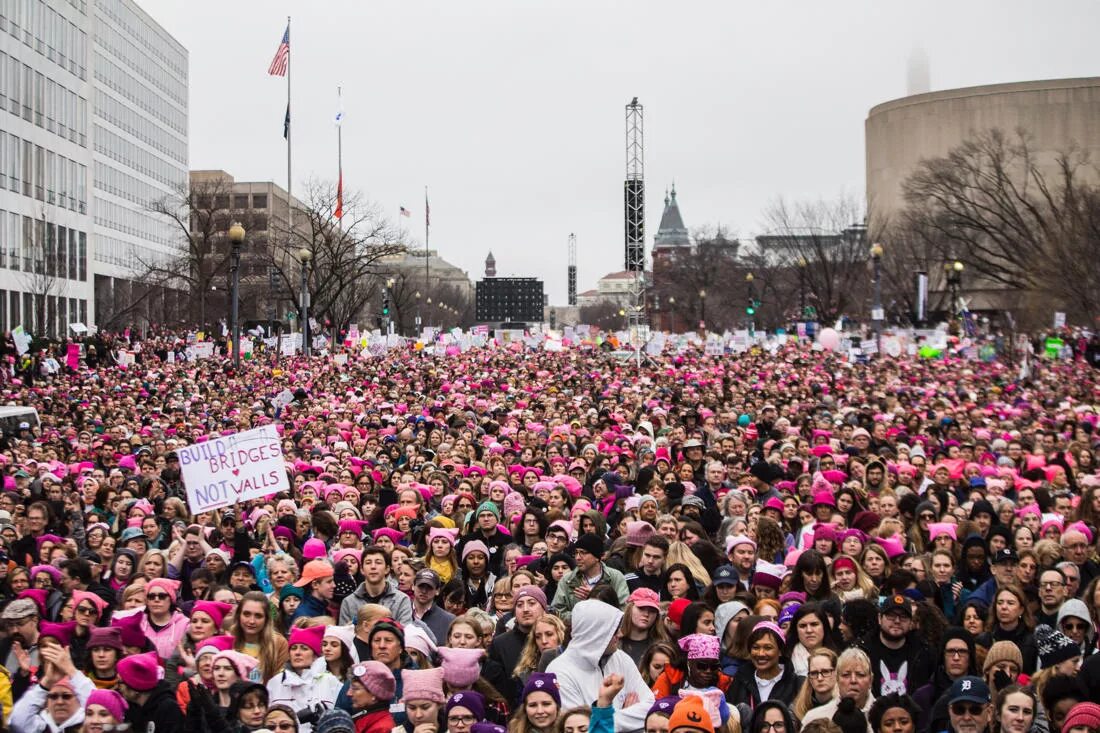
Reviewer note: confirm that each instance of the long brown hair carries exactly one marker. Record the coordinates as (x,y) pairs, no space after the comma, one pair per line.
(270,662)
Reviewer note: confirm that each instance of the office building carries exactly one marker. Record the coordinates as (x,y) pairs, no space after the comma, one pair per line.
(93,126)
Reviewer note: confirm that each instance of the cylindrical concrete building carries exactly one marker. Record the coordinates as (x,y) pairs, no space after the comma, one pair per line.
(899,134)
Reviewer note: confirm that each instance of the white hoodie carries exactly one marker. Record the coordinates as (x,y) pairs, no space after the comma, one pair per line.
(582,666)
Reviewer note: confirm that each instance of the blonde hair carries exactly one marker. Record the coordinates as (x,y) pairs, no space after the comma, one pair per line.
(368,615)
(864,584)
(679,552)
(804,700)
(529,657)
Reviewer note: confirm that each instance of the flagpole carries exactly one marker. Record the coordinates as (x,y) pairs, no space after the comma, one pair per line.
(427,235)
(340,151)
(289,132)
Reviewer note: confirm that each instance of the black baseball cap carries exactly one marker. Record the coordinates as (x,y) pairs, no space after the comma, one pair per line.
(896,603)
(1006,555)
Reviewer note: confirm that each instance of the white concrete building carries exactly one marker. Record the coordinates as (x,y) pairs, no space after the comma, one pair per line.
(93,126)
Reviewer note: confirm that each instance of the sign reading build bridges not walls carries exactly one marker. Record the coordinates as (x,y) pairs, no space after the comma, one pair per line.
(233,468)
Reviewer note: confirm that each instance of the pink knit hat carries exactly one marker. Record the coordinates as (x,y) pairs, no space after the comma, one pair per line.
(171,587)
(241,662)
(310,637)
(423,684)
(377,678)
(461,667)
(313,549)
(109,700)
(638,533)
(140,672)
(216,610)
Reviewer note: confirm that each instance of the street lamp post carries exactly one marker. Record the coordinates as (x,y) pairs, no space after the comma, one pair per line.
(703,310)
(236,237)
(751,310)
(876,309)
(305,256)
(417,334)
(802,265)
(954,281)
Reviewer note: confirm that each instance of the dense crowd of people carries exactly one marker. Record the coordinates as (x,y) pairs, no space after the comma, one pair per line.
(512,541)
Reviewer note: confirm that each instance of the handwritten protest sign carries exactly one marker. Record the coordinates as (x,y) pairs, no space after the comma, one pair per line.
(233,468)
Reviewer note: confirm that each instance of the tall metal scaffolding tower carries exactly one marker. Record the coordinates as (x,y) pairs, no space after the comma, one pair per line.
(634,194)
(572,269)
(634,188)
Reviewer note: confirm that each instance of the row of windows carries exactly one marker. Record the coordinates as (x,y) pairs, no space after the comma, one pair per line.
(132,257)
(45,251)
(152,38)
(42,101)
(48,32)
(138,224)
(140,63)
(137,125)
(153,103)
(113,181)
(137,159)
(45,313)
(42,174)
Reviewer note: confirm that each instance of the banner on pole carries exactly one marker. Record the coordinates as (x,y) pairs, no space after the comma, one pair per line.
(233,468)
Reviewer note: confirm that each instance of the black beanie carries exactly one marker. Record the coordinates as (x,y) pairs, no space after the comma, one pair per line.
(590,543)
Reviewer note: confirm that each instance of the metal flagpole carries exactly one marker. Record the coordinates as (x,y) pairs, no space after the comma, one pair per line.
(340,142)
(427,240)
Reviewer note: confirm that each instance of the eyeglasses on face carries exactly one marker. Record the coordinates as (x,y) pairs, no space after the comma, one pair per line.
(972,709)
(777,726)
(706,665)
(820,674)
(60,696)
(1075,625)
(156,596)
(1051,584)
(460,719)
(86,610)
(956,652)
(281,725)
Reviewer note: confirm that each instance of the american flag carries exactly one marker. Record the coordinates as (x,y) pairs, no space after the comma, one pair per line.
(405,212)
(282,56)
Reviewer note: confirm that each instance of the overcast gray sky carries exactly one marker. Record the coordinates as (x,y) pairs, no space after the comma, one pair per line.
(511,111)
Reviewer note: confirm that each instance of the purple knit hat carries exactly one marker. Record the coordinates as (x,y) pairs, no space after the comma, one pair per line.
(543,682)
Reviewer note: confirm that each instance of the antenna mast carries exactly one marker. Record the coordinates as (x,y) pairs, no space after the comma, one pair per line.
(572,269)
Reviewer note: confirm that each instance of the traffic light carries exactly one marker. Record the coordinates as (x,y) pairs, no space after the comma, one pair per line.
(750,309)
(385,303)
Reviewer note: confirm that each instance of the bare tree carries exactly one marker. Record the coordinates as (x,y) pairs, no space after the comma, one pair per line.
(703,281)
(1016,221)
(345,253)
(41,280)
(604,314)
(910,246)
(202,213)
(827,240)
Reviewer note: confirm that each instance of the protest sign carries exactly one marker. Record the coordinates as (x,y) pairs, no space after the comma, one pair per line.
(22,340)
(233,468)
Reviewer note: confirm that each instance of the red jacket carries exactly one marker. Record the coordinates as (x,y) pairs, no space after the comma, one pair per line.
(379,721)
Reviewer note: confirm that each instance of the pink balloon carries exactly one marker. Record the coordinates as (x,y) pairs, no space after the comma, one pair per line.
(829,338)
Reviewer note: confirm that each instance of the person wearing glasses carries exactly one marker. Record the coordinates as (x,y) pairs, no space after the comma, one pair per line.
(698,669)
(958,658)
(281,719)
(463,710)
(820,685)
(900,659)
(1052,594)
(771,716)
(969,706)
(1074,622)
(56,702)
(161,622)
(853,674)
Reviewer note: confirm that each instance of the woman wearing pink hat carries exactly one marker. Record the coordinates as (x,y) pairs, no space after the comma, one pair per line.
(162,623)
